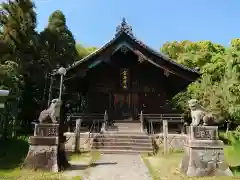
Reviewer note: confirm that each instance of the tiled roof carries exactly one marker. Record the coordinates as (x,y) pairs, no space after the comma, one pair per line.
(124,28)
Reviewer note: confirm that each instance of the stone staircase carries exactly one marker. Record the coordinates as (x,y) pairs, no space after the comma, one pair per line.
(123,137)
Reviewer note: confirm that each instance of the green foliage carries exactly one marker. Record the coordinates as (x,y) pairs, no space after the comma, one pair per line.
(18,35)
(218,89)
(12,155)
(83,52)
(235,43)
(13,152)
(10,77)
(27,57)
(58,42)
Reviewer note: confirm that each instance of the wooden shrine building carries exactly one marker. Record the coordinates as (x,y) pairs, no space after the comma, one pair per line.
(124,77)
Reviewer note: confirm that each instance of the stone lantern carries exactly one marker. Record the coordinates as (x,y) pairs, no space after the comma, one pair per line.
(3,97)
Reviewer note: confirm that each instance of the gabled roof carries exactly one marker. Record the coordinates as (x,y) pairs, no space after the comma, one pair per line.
(124,30)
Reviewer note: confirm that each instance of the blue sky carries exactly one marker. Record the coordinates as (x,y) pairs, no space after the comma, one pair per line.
(93,22)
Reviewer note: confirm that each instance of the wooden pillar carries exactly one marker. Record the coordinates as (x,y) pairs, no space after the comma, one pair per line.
(106,119)
(69,123)
(141,120)
(105,122)
(35,129)
(50,90)
(165,136)
(77,135)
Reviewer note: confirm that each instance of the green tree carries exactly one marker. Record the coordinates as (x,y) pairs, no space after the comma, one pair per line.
(235,44)
(18,23)
(83,52)
(58,42)
(218,89)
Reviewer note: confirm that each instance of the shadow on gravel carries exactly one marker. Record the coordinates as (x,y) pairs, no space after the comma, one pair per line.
(100,164)
(83,167)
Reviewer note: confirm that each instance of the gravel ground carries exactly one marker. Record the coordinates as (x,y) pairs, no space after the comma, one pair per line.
(119,167)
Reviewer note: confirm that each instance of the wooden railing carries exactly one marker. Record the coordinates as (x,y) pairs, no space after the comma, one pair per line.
(86,119)
(148,121)
(91,135)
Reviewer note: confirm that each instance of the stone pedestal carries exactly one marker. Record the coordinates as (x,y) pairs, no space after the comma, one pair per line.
(204,153)
(43,148)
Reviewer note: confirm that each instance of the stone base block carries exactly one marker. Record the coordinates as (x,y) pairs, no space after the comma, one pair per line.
(205,161)
(204,144)
(42,154)
(84,142)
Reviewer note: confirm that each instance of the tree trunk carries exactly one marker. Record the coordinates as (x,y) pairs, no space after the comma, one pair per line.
(62,156)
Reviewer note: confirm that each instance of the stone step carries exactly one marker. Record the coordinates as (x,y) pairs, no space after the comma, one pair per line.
(126,132)
(126,122)
(135,130)
(84,129)
(110,139)
(116,151)
(129,136)
(124,139)
(125,129)
(123,143)
(118,126)
(127,125)
(137,148)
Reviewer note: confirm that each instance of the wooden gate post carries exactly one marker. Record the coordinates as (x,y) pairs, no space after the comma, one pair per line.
(141,120)
(165,136)
(77,135)
(69,123)
(106,120)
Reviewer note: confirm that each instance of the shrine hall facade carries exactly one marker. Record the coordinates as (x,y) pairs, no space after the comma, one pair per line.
(125,77)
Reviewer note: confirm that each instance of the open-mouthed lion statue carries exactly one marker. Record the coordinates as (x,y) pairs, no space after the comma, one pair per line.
(199,114)
(52,113)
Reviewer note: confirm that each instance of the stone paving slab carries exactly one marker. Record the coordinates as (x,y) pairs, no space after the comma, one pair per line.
(119,167)
(78,168)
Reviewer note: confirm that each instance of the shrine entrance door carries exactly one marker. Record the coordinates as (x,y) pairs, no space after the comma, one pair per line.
(125,105)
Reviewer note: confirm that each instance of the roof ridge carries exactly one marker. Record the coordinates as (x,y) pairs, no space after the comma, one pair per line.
(94,52)
(126,29)
(162,55)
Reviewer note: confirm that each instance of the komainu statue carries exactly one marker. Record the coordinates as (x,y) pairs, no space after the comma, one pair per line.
(50,114)
(199,114)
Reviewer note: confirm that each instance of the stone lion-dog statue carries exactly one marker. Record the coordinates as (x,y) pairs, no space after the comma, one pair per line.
(199,114)
(52,113)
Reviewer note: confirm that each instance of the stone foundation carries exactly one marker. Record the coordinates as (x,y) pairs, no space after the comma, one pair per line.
(204,153)
(43,148)
(84,141)
(175,141)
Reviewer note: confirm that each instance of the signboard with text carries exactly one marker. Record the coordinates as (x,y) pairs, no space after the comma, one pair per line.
(204,133)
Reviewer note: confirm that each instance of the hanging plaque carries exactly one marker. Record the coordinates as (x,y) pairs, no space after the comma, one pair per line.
(124,78)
